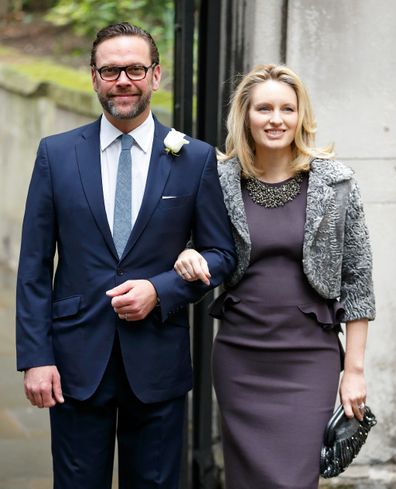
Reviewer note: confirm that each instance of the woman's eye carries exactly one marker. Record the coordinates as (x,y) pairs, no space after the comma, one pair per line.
(288,109)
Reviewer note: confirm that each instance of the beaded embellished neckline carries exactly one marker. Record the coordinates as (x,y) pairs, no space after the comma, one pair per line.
(273,195)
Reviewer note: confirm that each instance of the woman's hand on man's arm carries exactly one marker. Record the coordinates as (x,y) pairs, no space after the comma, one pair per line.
(192,266)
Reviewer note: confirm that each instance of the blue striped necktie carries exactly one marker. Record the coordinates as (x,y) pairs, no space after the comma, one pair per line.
(122,205)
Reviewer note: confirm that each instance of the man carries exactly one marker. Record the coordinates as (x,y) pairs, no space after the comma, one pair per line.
(105,342)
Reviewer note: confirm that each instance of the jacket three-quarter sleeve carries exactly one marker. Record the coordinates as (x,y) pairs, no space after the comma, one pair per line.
(357,293)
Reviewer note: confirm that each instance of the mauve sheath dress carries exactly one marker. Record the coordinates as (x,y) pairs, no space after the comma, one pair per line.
(276,358)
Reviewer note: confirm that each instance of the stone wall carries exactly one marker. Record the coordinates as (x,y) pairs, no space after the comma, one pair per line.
(344,50)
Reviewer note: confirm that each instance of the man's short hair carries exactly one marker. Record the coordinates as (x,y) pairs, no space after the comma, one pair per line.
(124,29)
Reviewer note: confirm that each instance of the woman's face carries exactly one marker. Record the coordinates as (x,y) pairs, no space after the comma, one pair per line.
(273,115)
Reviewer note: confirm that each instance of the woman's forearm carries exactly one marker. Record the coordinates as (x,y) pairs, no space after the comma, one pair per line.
(353,384)
(356,338)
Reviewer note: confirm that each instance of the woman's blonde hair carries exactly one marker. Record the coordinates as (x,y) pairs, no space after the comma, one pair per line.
(239,141)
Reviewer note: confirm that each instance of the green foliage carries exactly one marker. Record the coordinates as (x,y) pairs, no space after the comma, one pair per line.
(36,5)
(163,99)
(88,16)
(19,6)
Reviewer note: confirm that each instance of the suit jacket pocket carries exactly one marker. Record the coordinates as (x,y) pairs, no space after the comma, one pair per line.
(66,307)
(171,201)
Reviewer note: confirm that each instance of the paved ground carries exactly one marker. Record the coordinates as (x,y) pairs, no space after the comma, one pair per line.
(24,433)
(25,457)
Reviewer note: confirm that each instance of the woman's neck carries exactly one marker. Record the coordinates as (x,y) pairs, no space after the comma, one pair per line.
(273,166)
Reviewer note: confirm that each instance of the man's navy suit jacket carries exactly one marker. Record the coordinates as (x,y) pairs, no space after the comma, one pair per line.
(66,319)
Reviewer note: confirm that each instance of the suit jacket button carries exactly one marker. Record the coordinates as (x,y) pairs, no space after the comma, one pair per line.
(120,272)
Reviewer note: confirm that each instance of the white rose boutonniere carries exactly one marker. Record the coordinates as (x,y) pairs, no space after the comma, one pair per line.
(174,142)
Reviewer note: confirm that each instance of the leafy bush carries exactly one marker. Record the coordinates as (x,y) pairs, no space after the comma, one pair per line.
(88,16)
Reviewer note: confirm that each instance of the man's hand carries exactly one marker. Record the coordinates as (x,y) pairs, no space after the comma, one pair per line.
(133,300)
(43,386)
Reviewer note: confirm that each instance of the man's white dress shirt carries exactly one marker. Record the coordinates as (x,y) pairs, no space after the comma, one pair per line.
(110,148)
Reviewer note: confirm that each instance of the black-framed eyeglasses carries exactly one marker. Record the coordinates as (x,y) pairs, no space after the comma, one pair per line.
(133,72)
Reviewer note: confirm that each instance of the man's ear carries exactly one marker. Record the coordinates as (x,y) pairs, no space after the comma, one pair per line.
(156,77)
(94,78)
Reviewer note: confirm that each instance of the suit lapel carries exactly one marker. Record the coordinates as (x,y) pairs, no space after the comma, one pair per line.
(159,168)
(88,160)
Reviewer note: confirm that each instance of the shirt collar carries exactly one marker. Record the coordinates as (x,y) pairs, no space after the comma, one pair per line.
(143,134)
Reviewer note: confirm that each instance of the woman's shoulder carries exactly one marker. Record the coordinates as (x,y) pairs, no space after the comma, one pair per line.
(229,172)
(230,179)
(331,171)
(229,165)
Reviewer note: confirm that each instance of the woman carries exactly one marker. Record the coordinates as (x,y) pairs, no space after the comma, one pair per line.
(304,265)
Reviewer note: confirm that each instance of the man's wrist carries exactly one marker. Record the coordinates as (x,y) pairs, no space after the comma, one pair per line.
(157,298)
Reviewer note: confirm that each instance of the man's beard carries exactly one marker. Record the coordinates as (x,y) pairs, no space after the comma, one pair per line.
(137,109)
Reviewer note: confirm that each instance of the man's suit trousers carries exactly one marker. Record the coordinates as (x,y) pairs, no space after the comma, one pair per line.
(149,437)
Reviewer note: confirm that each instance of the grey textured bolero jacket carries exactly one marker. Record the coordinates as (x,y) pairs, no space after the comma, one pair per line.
(336,250)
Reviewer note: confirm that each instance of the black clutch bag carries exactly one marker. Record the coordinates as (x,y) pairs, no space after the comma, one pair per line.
(343,439)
